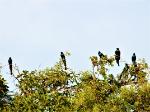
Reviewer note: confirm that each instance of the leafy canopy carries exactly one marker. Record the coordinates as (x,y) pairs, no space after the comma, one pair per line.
(58,90)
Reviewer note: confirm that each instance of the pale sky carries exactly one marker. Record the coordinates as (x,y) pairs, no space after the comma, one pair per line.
(34,32)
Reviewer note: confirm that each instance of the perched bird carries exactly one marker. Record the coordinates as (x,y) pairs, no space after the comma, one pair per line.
(100,54)
(10,65)
(117,55)
(124,73)
(126,67)
(63,59)
(134,59)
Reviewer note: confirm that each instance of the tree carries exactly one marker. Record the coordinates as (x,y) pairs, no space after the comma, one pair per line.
(58,90)
(4,97)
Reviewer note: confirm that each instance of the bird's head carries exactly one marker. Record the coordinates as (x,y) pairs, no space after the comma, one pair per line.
(99,52)
(126,64)
(117,48)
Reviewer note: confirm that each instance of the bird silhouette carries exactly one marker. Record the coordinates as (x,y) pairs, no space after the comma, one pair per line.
(124,73)
(100,54)
(10,65)
(63,59)
(117,55)
(134,59)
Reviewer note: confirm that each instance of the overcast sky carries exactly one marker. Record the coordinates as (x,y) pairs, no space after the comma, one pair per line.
(34,32)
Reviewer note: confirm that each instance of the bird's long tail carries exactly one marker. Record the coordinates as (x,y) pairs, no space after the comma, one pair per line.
(65,67)
(117,61)
(134,63)
(64,61)
(10,67)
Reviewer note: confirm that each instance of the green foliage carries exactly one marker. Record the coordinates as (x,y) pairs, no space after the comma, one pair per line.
(58,90)
(4,97)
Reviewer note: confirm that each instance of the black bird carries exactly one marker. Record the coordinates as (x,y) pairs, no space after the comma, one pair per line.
(117,55)
(100,54)
(10,65)
(126,67)
(134,59)
(63,59)
(125,71)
